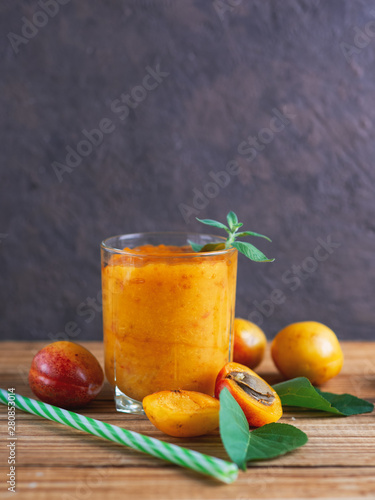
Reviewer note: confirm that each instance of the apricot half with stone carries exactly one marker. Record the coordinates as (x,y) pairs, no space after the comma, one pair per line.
(259,402)
(182,413)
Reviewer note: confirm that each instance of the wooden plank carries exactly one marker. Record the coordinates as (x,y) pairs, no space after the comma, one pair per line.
(154,484)
(54,461)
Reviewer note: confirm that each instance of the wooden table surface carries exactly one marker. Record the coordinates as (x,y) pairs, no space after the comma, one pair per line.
(57,462)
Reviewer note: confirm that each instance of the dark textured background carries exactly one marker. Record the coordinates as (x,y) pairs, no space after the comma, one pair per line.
(230,63)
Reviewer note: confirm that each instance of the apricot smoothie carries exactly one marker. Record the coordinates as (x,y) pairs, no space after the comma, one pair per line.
(168,315)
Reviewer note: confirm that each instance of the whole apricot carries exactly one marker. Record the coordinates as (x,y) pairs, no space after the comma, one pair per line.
(307,349)
(258,400)
(182,413)
(65,374)
(249,343)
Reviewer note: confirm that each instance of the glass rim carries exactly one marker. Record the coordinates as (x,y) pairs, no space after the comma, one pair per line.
(120,251)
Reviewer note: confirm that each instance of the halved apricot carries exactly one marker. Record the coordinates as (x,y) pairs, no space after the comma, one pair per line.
(259,402)
(182,413)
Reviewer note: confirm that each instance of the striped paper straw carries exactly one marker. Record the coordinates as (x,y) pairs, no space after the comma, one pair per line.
(215,467)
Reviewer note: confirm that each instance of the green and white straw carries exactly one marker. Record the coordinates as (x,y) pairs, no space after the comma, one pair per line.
(215,467)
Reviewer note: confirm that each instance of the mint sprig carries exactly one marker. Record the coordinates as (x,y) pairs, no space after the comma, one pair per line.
(247,249)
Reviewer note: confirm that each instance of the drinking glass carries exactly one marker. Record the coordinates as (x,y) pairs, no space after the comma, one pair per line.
(168,314)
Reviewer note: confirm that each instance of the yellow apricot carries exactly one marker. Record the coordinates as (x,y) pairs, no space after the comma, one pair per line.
(307,349)
(182,413)
(250,343)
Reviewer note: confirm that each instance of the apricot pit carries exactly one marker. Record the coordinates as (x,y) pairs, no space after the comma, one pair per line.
(259,402)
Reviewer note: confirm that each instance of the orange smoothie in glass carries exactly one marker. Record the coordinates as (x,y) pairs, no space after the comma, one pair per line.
(168,317)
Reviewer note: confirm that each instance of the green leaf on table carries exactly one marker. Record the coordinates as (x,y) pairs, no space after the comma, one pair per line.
(250,251)
(264,443)
(301,393)
(273,440)
(347,404)
(234,429)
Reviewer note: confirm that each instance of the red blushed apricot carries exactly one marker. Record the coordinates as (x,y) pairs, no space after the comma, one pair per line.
(259,402)
(65,374)
(249,343)
(182,413)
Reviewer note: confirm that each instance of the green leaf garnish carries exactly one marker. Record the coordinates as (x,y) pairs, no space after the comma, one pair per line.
(264,443)
(195,246)
(301,393)
(251,233)
(211,247)
(247,249)
(214,223)
(250,251)
(208,247)
(232,221)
